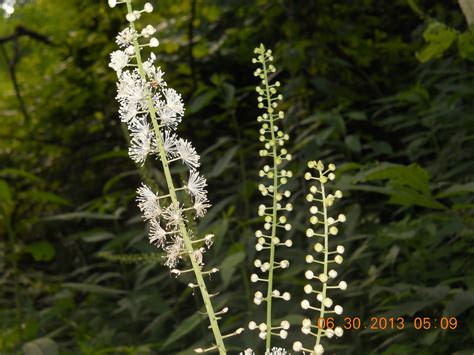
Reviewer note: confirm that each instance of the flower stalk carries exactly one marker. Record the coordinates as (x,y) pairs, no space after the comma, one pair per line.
(273,139)
(143,93)
(320,220)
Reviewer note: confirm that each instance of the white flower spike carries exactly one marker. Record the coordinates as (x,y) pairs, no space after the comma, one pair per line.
(151,110)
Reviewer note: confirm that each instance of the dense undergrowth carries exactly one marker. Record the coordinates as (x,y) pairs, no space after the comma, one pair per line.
(399,127)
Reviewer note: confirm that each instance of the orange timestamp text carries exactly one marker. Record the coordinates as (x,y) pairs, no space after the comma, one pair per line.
(390,323)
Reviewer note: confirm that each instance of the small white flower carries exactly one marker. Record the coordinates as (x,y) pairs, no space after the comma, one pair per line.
(173,253)
(118,60)
(167,116)
(174,216)
(128,113)
(198,257)
(209,240)
(174,101)
(148,203)
(187,153)
(131,90)
(168,140)
(142,142)
(201,206)
(196,185)
(157,234)
(125,38)
(112,3)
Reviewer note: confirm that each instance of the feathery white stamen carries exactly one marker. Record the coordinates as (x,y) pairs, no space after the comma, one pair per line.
(173,252)
(118,60)
(196,185)
(157,234)
(174,216)
(125,38)
(148,202)
(187,153)
(201,206)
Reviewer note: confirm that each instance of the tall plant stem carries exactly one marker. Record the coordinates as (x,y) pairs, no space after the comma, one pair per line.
(174,200)
(326,256)
(274,216)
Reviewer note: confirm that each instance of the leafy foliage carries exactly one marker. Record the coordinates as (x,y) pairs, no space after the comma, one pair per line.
(400,129)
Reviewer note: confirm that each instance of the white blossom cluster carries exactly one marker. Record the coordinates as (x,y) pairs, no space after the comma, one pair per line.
(322,228)
(273,214)
(274,351)
(144,96)
(8,6)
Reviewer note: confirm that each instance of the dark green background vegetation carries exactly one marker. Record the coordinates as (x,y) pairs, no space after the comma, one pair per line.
(384,89)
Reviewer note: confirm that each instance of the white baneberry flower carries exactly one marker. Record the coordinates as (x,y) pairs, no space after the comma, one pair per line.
(156,76)
(167,116)
(118,60)
(174,216)
(187,153)
(125,38)
(273,351)
(173,252)
(157,234)
(201,205)
(198,257)
(128,113)
(168,140)
(196,185)
(142,142)
(131,90)
(148,203)
(174,101)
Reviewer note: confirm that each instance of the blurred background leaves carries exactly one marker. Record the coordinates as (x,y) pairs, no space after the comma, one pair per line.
(383,89)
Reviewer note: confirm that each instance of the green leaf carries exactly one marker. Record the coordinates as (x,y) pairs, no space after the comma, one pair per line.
(199,102)
(41,346)
(223,163)
(41,251)
(81,215)
(46,197)
(461,302)
(96,236)
(83,287)
(353,143)
(457,189)
(19,172)
(184,328)
(111,155)
(466,45)
(5,194)
(413,176)
(439,38)
(229,266)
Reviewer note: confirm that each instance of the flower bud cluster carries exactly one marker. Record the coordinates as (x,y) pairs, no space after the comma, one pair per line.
(275,177)
(322,227)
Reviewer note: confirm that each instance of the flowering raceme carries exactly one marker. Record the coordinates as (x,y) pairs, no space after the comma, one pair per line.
(152,111)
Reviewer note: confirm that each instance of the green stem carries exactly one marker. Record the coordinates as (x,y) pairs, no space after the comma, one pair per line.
(274,215)
(326,256)
(174,200)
